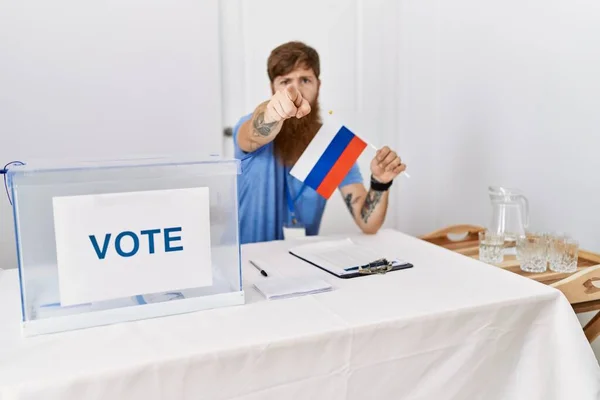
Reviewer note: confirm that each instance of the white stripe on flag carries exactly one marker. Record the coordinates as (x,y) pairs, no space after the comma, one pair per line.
(315,149)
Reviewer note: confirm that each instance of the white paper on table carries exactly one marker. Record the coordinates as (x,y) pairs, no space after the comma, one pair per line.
(280,288)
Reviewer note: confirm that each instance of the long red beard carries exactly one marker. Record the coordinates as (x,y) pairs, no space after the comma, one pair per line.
(295,135)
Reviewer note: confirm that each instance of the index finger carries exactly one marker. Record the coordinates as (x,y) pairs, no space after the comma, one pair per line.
(294,95)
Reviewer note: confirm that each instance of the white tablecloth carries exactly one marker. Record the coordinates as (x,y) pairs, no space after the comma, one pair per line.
(449,328)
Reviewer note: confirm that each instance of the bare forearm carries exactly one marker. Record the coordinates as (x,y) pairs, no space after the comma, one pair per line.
(373,210)
(368,211)
(369,208)
(258,131)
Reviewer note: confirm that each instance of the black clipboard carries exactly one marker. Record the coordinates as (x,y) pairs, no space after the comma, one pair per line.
(377,267)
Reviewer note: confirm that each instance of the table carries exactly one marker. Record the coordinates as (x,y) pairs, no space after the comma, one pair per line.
(449,328)
(581,288)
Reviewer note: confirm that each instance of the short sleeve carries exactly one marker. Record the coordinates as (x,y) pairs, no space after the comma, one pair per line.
(353,176)
(237,152)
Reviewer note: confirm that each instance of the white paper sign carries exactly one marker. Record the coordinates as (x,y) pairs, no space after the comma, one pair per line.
(125,244)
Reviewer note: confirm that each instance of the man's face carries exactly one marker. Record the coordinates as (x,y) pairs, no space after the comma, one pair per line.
(296,133)
(303,79)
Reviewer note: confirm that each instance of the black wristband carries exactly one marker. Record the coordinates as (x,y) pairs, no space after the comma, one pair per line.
(378,186)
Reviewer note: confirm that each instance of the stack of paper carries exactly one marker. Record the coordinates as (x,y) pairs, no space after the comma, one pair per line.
(342,257)
(337,256)
(281,288)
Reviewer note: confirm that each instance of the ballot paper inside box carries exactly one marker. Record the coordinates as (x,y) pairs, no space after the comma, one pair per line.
(112,241)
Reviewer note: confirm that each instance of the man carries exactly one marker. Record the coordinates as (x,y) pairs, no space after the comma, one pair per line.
(270,141)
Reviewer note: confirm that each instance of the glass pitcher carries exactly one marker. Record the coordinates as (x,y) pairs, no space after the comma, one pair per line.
(510,212)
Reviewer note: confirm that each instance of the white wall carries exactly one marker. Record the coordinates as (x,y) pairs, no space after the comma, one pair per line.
(109,79)
(504,92)
(417,115)
(527,88)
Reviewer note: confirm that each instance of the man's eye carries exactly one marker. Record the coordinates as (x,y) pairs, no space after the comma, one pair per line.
(306,80)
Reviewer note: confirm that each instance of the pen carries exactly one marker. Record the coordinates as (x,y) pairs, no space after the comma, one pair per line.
(377,263)
(262,271)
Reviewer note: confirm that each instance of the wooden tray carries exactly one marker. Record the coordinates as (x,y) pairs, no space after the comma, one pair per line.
(464,239)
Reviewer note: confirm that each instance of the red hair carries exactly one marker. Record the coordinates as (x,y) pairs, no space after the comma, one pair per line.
(289,56)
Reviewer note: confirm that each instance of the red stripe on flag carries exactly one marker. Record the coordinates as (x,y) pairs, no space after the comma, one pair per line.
(340,169)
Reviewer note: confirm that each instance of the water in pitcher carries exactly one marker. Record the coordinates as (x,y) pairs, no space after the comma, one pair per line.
(510,213)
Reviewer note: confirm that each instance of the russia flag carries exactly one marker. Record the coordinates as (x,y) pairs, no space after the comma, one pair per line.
(328,158)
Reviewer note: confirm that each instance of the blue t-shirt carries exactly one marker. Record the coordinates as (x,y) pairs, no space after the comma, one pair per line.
(263,208)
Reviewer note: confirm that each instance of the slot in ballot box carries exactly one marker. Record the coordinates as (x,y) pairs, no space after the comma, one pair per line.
(105,242)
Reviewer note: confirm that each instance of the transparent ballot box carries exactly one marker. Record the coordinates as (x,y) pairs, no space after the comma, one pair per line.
(105,242)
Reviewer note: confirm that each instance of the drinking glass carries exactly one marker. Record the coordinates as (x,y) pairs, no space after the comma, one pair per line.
(532,252)
(490,247)
(563,253)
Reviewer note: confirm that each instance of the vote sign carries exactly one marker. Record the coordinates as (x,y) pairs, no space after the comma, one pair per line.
(124,244)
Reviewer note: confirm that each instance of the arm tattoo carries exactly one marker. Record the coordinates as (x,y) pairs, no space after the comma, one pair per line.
(261,127)
(373,198)
(350,202)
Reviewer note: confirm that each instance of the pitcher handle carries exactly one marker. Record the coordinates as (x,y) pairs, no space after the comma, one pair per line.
(526,209)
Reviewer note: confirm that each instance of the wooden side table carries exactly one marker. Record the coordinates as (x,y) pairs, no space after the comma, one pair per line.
(581,288)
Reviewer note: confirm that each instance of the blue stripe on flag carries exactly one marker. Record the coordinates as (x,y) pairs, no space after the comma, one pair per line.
(329,157)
